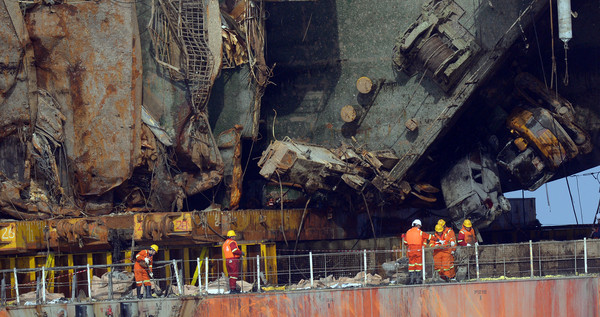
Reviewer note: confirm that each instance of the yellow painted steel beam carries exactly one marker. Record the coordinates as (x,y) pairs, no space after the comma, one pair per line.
(138,230)
(244,261)
(268,253)
(167,267)
(70,262)
(128,260)
(21,236)
(263,255)
(109,260)
(271,263)
(31,263)
(13,263)
(224,262)
(50,264)
(28,236)
(148,226)
(90,261)
(199,266)
(186,263)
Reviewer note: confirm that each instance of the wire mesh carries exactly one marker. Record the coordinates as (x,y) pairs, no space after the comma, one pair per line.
(180,40)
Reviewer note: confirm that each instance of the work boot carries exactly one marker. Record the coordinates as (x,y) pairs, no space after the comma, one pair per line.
(411,276)
(418,279)
(148,291)
(139,292)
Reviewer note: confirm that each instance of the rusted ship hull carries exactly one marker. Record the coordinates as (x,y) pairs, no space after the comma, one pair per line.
(154,106)
(577,296)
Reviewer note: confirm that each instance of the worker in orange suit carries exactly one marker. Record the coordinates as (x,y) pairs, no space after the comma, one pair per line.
(449,234)
(416,240)
(443,254)
(142,270)
(232,260)
(466,235)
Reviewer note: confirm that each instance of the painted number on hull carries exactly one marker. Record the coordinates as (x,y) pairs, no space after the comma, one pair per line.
(182,225)
(480,292)
(8,234)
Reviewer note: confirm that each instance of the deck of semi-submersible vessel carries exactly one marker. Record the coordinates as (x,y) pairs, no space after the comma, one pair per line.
(317,130)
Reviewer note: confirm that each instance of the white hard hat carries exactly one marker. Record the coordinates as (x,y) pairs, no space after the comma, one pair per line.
(416,222)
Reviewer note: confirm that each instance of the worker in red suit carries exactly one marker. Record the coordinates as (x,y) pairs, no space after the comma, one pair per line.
(466,235)
(416,240)
(595,233)
(142,270)
(232,255)
(443,254)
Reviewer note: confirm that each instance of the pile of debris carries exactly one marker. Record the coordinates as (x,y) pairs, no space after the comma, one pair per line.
(121,284)
(221,286)
(316,168)
(397,270)
(342,282)
(31,298)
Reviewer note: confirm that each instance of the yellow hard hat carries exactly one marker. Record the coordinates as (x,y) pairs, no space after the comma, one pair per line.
(441,222)
(154,247)
(231,233)
(467,223)
(439,227)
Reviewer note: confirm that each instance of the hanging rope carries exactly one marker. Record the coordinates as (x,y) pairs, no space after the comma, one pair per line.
(301,223)
(281,203)
(370,220)
(537,41)
(572,203)
(566,78)
(553,74)
(548,197)
(579,197)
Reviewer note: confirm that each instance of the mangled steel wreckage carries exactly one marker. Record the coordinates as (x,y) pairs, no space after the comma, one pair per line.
(387,108)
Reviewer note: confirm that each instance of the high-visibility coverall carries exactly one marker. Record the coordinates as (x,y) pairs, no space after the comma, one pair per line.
(232,261)
(466,237)
(141,270)
(443,260)
(415,239)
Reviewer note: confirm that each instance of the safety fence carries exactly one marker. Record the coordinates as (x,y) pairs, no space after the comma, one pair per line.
(298,270)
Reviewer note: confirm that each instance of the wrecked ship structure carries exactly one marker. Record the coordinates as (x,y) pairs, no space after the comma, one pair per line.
(162,106)
(125,122)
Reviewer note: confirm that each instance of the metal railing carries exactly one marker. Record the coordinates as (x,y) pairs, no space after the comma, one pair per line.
(313,269)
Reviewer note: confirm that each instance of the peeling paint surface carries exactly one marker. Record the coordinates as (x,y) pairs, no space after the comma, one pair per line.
(14,105)
(551,297)
(88,58)
(517,298)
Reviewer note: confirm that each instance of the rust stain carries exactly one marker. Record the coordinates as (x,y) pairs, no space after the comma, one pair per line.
(110,90)
(574,296)
(556,297)
(91,84)
(69,9)
(75,73)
